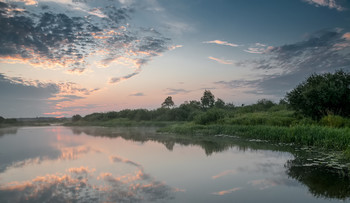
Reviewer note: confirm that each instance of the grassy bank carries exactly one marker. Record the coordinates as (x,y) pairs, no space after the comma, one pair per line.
(308,135)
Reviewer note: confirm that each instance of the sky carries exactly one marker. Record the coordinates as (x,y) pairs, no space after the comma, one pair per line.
(65,57)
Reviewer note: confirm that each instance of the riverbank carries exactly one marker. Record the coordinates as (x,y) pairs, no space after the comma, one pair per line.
(337,139)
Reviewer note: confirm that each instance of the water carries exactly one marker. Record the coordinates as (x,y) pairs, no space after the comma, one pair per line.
(96,164)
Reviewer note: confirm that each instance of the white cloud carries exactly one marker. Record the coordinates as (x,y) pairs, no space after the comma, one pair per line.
(328,3)
(222,61)
(221,43)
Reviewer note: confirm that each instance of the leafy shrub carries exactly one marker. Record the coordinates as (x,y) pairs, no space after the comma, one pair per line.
(334,121)
(76,118)
(211,116)
(321,95)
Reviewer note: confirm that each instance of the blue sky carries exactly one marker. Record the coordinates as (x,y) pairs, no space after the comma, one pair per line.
(60,58)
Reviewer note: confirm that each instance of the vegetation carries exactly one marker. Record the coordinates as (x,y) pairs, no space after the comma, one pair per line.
(315,113)
(322,95)
(39,121)
(168,102)
(208,99)
(7,121)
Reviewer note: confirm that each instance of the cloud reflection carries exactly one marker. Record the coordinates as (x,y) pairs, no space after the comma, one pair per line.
(263,184)
(224,173)
(73,153)
(81,184)
(224,192)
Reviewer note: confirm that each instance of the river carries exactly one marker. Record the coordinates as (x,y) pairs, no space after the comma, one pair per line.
(98,164)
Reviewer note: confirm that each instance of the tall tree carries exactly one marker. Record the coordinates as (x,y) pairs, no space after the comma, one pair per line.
(220,103)
(168,102)
(321,95)
(208,99)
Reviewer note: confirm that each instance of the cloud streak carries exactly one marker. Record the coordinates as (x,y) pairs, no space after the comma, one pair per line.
(219,42)
(173,91)
(221,61)
(288,65)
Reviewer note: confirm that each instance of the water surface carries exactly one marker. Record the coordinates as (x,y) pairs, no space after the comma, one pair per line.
(96,164)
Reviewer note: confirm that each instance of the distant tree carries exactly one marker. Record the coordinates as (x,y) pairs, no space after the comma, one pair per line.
(230,106)
(219,104)
(321,95)
(168,102)
(76,118)
(263,104)
(208,99)
(2,119)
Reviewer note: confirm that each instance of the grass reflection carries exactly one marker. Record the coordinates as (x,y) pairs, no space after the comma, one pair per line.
(322,181)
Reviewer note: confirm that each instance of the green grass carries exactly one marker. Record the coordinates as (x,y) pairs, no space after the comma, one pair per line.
(309,135)
(275,118)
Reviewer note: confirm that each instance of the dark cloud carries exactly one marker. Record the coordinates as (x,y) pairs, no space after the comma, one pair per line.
(34,98)
(138,94)
(64,98)
(56,34)
(20,99)
(325,51)
(41,37)
(172,91)
(118,79)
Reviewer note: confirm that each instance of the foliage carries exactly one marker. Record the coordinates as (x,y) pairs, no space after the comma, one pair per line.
(219,103)
(335,121)
(208,99)
(321,95)
(329,138)
(168,102)
(273,118)
(213,115)
(8,120)
(76,118)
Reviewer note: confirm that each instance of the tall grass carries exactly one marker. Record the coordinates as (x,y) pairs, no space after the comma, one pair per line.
(310,135)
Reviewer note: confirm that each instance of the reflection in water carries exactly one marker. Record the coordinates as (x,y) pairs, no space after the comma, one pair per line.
(58,164)
(210,144)
(72,153)
(8,131)
(81,184)
(320,180)
(224,192)
(224,173)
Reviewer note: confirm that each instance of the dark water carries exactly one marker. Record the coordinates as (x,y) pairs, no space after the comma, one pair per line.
(95,164)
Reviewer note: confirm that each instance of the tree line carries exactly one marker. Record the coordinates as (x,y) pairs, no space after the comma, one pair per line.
(319,96)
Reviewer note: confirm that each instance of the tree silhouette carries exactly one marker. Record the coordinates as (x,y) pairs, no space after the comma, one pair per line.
(208,99)
(168,102)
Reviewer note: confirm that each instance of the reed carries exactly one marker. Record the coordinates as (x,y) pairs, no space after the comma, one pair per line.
(308,135)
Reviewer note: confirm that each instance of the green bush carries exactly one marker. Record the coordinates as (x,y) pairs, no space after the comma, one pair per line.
(213,115)
(334,121)
(321,95)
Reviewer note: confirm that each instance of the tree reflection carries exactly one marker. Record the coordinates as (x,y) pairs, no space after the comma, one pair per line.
(7,131)
(210,144)
(321,181)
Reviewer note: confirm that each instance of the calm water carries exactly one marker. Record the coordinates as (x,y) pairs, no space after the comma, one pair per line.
(95,164)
